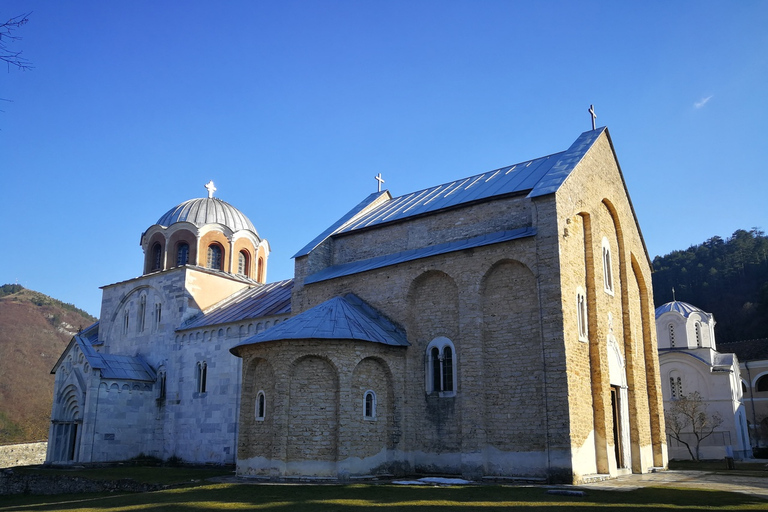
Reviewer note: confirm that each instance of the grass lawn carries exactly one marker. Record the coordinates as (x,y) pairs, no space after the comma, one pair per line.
(384,498)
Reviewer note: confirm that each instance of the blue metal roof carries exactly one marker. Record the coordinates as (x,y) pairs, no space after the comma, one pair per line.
(340,318)
(538,177)
(682,308)
(207,210)
(355,267)
(113,366)
(264,300)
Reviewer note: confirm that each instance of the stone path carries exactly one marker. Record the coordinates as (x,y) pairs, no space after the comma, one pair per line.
(754,486)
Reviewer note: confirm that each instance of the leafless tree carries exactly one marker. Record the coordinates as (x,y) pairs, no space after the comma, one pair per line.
(13,58)
(688,415)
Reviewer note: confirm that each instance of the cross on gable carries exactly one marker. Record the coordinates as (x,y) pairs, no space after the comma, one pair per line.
(211,189)
(380,180)
(592,113)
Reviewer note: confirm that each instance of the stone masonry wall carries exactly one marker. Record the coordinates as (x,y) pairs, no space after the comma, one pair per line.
(25,454)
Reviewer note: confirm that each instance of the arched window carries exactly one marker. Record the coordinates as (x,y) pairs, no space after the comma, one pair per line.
(369,405)
(671,335)
(182,254)
(675,386)
(202,376)
(214,256)
(126,315)
(161,380)
(607,267)
(260,270)
(698,334)
(762,383)
(157,256)
(581,312)
(142,312)
(441,367)
(242,263)
(261,406)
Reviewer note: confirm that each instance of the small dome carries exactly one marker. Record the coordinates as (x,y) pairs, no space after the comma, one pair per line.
(682,308)
(207,210)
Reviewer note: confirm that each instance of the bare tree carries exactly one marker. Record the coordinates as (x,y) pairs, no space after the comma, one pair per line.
(688,416)
(8,37)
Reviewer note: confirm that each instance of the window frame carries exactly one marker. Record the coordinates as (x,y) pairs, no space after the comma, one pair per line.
(608,280)
(201,381)
(441,368)
(260,406)
(214,251)
(182,245)
(373,405)
(582,315)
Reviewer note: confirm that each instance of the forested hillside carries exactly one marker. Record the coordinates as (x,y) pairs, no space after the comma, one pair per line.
(34,330)
(728,278)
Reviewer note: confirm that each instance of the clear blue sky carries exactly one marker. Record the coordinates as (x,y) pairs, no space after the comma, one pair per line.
(292,108)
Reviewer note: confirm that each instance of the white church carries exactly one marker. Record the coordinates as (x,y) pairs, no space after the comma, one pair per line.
(690,362)
(494,326)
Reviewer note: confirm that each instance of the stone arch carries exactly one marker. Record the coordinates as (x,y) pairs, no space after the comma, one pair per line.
(369,436)
(177,238)
(313,412)
(512,357)
(433,305)
(257,438)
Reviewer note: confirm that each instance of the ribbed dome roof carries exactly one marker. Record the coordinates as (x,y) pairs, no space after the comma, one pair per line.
(207,210)
(683,308)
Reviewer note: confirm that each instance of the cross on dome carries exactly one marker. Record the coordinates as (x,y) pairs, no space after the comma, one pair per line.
(211,189)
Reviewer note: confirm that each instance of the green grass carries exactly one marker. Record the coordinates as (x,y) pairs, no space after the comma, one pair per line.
(145,474)
(385,498)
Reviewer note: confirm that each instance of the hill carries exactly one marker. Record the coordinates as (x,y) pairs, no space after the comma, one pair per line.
(728,278)
(34,330)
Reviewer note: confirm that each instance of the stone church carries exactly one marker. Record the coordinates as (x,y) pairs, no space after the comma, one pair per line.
(496,326)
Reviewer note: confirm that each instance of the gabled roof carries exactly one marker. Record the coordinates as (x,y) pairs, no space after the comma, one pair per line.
(264,300)
(537,177)
(340,318)
(111,366)
(355,267)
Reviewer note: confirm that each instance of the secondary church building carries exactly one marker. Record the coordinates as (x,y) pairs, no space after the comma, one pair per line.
(500,325)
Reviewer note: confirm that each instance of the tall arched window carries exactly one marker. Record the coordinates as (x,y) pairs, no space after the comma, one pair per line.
(157,257)
(260,270)
(242,263)
(182,254)
(202,376)
(698,334)
(762,383)
(161,381)
(441,367)
(671,335)
(369,405)
(675,385)
(581,312)
(214,256)
(142,312)
(261,406)
(607,267)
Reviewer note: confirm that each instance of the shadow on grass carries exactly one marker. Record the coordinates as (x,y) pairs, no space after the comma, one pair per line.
(386,498)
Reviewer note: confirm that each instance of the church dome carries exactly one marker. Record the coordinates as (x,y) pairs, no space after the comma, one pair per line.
(207,210)
(682,308)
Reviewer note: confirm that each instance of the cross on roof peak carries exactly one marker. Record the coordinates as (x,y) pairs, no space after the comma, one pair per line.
(380,180)
(592,113)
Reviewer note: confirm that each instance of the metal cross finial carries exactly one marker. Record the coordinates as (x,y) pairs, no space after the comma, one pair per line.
(594,116)
(673,295)
(211,189)
(380,180)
